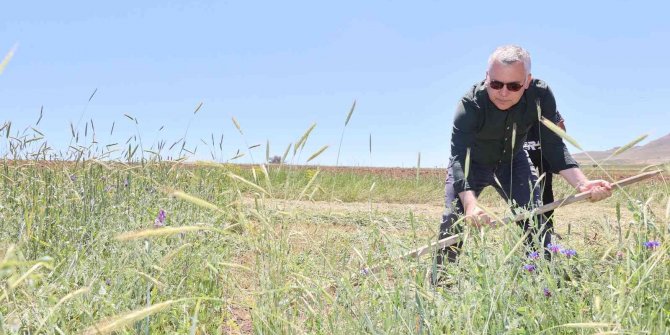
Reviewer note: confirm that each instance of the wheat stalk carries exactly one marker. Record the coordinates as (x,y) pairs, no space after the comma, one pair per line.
(7,58)
(167,258)
(194,200)
(625,147)
(558,131)
(123,320)
(303,139)
(308,184)
(154,232)
(317,153)
(244,181)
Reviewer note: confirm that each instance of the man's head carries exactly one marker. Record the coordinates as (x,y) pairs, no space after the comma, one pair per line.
(508,75)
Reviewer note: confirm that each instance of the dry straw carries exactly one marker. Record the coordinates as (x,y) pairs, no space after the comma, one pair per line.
(194,200)
(121,321)
(165,231)
(583,325)
(237,266)
(155,281)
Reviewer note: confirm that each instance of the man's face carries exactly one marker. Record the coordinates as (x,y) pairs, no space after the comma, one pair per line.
(504,98)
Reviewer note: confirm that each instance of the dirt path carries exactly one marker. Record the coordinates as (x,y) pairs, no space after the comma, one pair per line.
(351,207)
(576,217)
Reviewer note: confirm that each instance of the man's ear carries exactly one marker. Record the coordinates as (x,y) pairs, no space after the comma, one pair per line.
(528,79)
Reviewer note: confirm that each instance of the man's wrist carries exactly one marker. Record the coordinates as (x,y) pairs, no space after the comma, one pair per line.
(581,184)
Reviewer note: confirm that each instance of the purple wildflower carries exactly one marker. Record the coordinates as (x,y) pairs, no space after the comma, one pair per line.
(547,293)
(73,177)
(569,252)
(160,219)
(108,188)
(125,182)
(365,271)
(652,244)
(529,267)
(555,248)
(534,255)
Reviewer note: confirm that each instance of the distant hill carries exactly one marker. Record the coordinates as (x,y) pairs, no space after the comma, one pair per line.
(654,152)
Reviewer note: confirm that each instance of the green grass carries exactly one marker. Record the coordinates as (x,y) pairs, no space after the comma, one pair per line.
(79,252)
(277,271)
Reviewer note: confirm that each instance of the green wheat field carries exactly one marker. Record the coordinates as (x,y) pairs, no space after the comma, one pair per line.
(152,246)
(120,238)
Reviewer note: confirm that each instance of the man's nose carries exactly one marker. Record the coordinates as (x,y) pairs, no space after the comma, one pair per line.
(504,91)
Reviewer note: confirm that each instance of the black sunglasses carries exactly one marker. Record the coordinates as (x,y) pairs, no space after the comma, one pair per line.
(512,87)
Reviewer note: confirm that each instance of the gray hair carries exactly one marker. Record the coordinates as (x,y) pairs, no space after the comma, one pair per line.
(509,54)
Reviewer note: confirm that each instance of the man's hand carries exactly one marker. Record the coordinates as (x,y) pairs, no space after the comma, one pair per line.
(600,189)
(473,213)
(477,217)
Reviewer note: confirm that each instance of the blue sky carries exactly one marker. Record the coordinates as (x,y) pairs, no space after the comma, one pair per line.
(278,67)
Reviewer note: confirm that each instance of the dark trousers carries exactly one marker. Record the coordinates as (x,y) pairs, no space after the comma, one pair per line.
(546,185)
(516,185)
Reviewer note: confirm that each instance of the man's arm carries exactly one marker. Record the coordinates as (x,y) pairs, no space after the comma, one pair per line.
(473,212)
(462,138)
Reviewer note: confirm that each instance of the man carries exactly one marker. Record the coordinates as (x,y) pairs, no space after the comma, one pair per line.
(491,123)
(533,147)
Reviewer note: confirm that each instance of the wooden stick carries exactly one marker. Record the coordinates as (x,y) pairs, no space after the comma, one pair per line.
(451,240)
